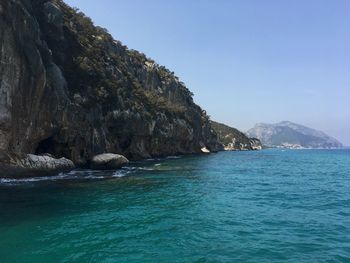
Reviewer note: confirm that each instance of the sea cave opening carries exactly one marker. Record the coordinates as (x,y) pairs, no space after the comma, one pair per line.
(51,146)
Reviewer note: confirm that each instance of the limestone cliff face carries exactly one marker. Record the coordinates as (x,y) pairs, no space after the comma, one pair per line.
(232,139)
(69,89)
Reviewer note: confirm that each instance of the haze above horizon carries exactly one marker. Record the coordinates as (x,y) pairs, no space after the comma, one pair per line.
(246,62)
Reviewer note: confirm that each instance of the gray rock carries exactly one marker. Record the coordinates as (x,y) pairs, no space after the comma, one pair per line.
(33,165)
(108,161)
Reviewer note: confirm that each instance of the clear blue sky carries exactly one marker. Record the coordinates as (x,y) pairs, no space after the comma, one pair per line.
(246,61)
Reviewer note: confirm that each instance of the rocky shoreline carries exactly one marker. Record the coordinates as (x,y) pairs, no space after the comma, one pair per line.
(45,165)
(70,92)
(12,166)
(15,167)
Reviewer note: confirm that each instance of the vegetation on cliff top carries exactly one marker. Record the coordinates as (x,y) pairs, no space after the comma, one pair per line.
(102,62)
(226,133)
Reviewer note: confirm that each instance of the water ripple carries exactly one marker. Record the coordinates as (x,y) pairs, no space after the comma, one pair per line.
(267,206)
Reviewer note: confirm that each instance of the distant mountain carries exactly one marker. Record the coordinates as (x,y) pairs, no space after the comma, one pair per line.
(233,139)
(291,135)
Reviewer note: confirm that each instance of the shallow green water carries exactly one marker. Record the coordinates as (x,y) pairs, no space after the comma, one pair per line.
(267,206)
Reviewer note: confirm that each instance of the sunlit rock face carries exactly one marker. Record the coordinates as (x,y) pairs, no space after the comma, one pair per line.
(69,89)
(233,139)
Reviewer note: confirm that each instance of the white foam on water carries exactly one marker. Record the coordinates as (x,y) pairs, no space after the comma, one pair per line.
(145,169)
(173,157)
(93,177)
(72,175)
(130,168)
(119,174)
(83,174)
(33,179)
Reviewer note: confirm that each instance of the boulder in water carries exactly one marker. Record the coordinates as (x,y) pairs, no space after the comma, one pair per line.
(108,161)
(33,165)
(205,150)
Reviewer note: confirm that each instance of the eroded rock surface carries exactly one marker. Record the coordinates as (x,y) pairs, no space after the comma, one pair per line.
(108,161)
(33,165)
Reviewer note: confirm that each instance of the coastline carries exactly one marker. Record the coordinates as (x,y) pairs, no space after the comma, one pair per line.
(22,174)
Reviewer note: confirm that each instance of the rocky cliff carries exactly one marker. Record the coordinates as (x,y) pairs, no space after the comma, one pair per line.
(232,139)
(67,88)
(291,135)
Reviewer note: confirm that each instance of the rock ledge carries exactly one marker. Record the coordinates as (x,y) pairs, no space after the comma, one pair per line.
(33,165)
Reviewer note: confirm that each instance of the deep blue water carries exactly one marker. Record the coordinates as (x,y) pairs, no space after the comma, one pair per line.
(266,206)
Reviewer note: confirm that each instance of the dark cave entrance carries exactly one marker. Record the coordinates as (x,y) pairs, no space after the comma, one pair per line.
(45,146)
(51,146)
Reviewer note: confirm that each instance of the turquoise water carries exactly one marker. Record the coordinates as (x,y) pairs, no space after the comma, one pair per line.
(266,206)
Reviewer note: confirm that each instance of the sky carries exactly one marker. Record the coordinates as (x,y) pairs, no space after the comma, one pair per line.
(246,61)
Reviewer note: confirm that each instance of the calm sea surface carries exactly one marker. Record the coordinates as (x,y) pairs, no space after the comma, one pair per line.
(266,206)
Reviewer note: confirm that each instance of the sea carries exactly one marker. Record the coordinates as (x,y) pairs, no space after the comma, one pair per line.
(273,205)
